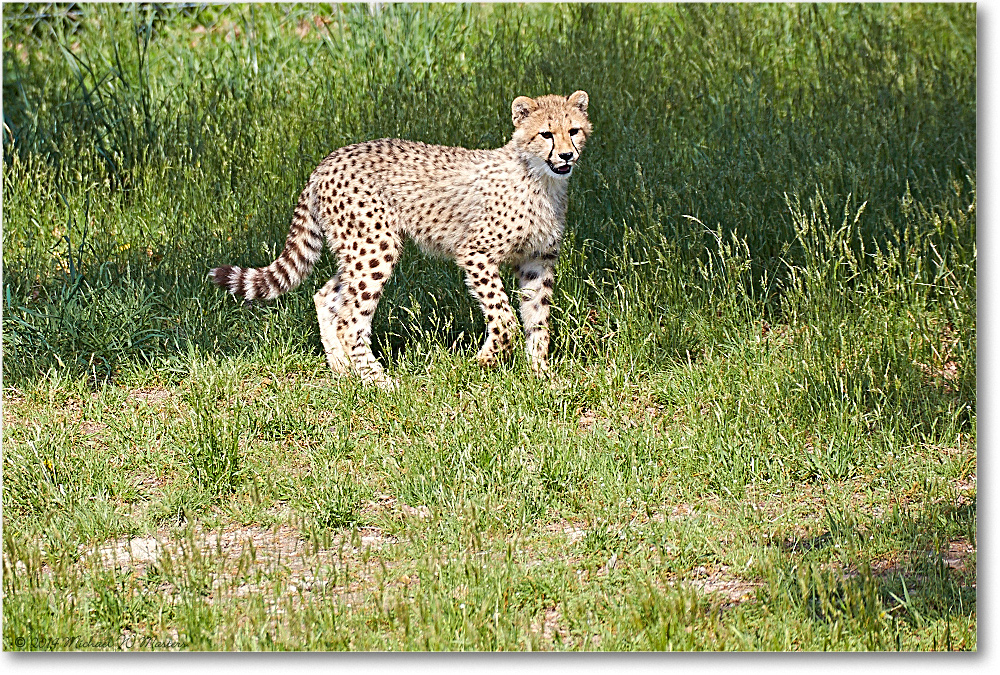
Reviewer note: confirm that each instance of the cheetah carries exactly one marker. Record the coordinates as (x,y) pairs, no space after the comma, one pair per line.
(482,208)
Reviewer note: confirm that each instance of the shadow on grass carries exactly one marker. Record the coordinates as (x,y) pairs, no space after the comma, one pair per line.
(928,575)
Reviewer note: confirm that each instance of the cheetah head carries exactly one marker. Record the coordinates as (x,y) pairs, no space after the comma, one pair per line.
(551,131)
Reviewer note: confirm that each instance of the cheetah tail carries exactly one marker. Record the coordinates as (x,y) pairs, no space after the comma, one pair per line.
(303,247)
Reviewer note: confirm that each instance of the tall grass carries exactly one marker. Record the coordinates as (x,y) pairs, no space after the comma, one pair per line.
(126,146)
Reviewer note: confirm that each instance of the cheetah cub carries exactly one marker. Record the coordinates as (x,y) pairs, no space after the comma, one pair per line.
(483,208)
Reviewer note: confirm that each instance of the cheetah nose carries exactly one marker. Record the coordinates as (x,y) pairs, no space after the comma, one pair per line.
(566,156)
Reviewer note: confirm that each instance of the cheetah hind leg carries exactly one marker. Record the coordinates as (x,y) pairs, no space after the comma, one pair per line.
(328,300)
(363,362)
(360,292)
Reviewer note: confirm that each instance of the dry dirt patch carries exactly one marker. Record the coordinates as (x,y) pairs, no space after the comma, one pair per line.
(245,560)
(136,553)
(150,395)
(549,625)
(958,556)
(573,531)
(721,582)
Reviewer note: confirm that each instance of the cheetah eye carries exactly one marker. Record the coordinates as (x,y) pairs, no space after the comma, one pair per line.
(546,134)
(574,132)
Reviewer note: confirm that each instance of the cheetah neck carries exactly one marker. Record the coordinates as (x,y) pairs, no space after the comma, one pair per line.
(553,190)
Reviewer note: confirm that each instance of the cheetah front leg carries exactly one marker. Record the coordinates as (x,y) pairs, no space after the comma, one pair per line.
(483,278)
(536,279)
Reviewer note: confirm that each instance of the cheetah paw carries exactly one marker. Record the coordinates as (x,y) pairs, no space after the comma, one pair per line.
(385,383)
(541,369)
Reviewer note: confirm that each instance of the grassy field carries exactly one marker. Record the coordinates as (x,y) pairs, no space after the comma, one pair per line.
(760,432)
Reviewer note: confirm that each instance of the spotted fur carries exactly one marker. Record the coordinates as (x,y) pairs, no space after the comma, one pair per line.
(483,208)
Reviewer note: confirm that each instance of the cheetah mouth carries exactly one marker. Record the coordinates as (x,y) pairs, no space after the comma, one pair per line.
(562,170)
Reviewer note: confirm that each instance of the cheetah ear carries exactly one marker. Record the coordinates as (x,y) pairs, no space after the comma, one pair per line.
(579,99)
(521,108)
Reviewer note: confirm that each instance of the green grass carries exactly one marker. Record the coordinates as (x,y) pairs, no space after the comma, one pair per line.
(761,429)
